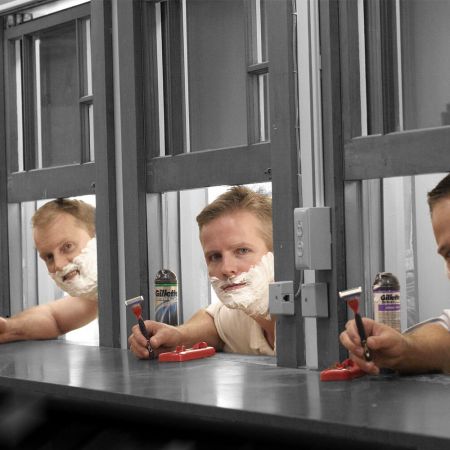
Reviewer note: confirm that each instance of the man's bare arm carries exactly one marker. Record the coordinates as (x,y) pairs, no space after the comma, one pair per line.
(200,327)
(427,350)
(48,321)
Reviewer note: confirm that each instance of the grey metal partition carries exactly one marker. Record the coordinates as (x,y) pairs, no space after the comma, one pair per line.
(285,170)
(105,187)
(384,149)
(133,151)
(4,264)
(274,160)
(70,180)
(328,329)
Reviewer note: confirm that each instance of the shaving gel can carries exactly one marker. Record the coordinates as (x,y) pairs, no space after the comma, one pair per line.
(166,297)
(386,300)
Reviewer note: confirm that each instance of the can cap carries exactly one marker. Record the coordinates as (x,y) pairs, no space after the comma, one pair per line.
(386,280)
(165,276)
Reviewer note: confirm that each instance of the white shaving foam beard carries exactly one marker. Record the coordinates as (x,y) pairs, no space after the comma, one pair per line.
(253,297)
(84,284)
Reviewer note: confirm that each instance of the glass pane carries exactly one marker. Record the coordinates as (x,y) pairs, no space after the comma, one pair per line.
(91,133)
(260,107)
(15,126)
(217,64)
(258,32)
(426,63)
(86,63)
(57,96)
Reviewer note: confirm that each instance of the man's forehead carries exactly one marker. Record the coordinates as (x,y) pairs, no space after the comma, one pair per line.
(61,219)
(62,224)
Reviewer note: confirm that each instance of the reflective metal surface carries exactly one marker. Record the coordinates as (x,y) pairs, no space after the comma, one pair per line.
(401,411)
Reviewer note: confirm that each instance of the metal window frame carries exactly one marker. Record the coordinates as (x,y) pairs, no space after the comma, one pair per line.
(77,179)
(5,307)
(284,164)
(24,32)
(32,184)
(328,329)
(388,153)
(105,174)
(367,160)
(398,154)
(237,165)
(133,151)
(247,164)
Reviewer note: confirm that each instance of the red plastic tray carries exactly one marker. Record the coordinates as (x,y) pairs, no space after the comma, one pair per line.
(197,351)
(346,370)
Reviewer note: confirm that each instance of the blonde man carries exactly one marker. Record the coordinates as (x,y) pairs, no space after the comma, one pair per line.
(236,237)
(64,236)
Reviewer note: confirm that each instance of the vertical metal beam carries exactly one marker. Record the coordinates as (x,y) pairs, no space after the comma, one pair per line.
(150,87)
(28,75)
(82,91)
(381,66)
(389,66)
(363,199)
(133,151)
(4,260)
(173,70)
(372,28)
(351,127)
(102,81)
(284,162)
(351,97)
(328,329)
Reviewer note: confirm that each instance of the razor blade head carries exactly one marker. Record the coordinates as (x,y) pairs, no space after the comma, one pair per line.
(349,293)
(133,301)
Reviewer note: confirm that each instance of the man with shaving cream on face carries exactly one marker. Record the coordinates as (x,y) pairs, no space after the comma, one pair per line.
(236,237)
(64,236)
(424,347)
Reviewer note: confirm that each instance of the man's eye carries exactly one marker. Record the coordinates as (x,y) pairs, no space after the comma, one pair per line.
(48,258)
(243,251)
(214,257)
(67,247)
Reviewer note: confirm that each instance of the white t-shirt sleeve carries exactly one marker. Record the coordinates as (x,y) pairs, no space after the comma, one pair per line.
(239,332)
(443,319)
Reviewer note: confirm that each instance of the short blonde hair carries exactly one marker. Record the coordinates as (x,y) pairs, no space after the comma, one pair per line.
(81,211)
(241,198)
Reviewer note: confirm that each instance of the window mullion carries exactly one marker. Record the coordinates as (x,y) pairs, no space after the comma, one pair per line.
(257,70)
(173,79)
(28,101)
(4,260)
(82,90)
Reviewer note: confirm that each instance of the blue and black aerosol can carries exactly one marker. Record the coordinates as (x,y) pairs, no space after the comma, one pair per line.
(386,300)
(166,297)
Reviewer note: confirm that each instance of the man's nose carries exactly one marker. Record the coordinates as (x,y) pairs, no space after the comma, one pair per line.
(229,267)
(59,262)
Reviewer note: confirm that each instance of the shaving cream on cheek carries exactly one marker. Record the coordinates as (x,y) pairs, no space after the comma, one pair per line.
(253,296)
(84,283)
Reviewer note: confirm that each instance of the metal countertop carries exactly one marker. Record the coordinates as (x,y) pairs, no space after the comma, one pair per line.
(401,411)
